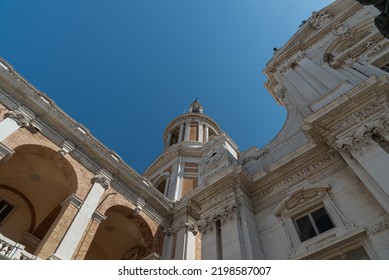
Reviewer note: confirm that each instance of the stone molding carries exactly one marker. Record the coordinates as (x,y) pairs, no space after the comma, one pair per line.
(225,215)
(98,217)
(67,147)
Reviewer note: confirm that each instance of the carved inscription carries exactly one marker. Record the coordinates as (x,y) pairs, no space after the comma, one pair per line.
(217,171)
(217,200)
(296,177)
(354,117)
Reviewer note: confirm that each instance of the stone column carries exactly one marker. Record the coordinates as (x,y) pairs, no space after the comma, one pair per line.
(187,131)
(169,138)
(76,230)
(175,185)
(180,133)
(206,136)
(201,132)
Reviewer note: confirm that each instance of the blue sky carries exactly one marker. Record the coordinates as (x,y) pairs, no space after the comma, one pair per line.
(126,68)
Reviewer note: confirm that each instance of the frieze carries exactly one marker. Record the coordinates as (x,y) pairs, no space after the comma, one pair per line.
(296,177)
(349,121)
(217,171)
(216,200)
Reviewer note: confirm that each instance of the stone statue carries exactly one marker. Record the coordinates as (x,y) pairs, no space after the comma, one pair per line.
(382,20)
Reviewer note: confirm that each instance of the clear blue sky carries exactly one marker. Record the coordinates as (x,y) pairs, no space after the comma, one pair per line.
(126,68)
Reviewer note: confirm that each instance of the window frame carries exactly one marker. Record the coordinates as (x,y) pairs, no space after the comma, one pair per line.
(299,203)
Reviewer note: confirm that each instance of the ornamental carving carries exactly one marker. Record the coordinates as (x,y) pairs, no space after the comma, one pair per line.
(21,119)
(340,29)
(375,48)
(319,19)
(225,215)
(190,226)
(363,137)
(169,231)
(102,180)
(380,226)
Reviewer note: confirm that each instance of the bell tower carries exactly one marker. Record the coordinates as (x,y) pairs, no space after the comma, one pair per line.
(191,129)
(176,171)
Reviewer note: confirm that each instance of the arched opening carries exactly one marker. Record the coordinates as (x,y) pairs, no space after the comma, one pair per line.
(35,181)
(175,134)
(123,235)
(161,183)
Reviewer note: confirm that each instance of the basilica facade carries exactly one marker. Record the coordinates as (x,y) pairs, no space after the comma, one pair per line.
(318,190)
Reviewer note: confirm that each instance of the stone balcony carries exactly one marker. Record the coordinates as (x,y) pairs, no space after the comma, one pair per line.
(10,250)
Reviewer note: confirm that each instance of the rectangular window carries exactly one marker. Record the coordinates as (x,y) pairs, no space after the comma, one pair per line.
(313,223)
(5,209)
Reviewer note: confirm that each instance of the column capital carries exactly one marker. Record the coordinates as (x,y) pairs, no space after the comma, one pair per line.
(190,226)
(225,215)
(22,116)
(362,138)
(103,178)
(169,231)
